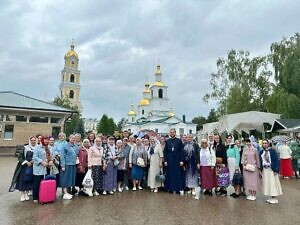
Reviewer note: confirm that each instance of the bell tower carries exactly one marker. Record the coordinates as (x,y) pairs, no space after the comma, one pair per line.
(69,87)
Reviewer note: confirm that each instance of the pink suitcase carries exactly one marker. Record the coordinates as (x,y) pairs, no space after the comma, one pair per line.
(47,191)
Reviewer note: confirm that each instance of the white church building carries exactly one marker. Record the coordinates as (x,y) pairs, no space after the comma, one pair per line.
(154,112)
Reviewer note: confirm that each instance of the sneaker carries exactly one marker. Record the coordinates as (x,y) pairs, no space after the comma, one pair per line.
(140,188)
(253,198)
(236,196)
(126,188)
(134,189)
(67,196)
(29,193)
(155,190)
(273,201)
(88,192)
(181,193)
(96,193)
(23,198)
(26,197)
(114,190)
(111,192)
(120,190)
(35,201)
(197,197)
(104,193)
(249,197)
(189,192)
(193,193)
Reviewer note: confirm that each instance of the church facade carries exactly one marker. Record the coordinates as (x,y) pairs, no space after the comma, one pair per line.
(69,87)
(154,111)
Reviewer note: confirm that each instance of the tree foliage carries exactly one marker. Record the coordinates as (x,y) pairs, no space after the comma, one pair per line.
(74,124)
(106,125)
(263,83)
(200,120)
(240,82)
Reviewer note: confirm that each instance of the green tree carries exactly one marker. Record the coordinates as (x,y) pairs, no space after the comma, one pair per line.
(200,120)
(240,83)
(121,124)
(75,123)
(212,116)
(112,126)
(103,125)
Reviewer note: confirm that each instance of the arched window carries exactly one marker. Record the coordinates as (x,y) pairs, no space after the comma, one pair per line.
(72,78)
(152,93)
(160,93)
(71,95)
(143,111)
(132,119)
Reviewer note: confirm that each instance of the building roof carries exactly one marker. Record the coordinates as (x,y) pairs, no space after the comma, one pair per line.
(280,124)
(244,121)
(10,99)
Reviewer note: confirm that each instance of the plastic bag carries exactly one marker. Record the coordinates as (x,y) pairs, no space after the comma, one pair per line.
(88,183)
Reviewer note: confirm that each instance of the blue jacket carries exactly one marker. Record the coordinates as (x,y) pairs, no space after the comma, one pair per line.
(68,155)
(39,155)
(58,147)
(274,160)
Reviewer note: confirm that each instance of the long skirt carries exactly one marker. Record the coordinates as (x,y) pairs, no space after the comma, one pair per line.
(251,180)
(97,176)
(121,175)
(110,177)
(208,177)
(231,167)
(22,184)
(270,182)
(137,172)
(191,178)
(67,178)
(286,169)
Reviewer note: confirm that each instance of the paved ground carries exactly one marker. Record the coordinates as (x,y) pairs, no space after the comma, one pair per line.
(144,207)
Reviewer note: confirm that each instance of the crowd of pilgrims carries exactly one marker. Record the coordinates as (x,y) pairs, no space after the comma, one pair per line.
(118,165)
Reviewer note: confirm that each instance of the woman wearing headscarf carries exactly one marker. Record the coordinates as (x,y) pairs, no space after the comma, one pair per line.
(251,165)
(110,174)
(23,175)
(120,163)
(269,165)
(207,167)
(82,167)
(137,161)
(68,166)
(155,159)
(191,160)
(95,163)
(42,163)
(221,166)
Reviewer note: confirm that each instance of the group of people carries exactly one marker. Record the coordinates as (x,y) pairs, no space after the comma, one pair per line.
(160,163)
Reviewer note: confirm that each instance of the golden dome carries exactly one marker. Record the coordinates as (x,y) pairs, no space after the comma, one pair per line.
(171,114)
(144,102)
(71,53)
(158,83)
(131,113)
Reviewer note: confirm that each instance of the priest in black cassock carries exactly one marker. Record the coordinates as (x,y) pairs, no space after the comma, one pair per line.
(174,157)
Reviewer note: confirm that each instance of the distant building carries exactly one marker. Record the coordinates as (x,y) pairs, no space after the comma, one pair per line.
(22,116)
(154,111)
(69,87)
(90,125)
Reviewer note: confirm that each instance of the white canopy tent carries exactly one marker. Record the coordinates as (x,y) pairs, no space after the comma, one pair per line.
(239,122)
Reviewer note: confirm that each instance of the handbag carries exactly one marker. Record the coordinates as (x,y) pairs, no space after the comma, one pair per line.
(250,167)
(160,177)
(140,162)
(28,175)
(116,162)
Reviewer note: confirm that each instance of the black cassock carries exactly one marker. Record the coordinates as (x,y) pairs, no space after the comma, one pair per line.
(173,154)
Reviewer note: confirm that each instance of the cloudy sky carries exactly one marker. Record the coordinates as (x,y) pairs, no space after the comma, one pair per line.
(119,42)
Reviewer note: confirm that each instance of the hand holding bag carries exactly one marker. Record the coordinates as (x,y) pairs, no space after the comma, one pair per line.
(250,167)
(140,162)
